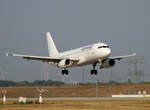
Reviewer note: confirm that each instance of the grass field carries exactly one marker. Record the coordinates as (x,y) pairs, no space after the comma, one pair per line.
(77,91)
(82,105)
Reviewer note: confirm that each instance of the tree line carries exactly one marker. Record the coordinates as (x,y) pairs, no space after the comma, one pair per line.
(7,83)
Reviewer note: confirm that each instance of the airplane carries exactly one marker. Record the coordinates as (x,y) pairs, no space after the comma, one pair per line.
(97,53)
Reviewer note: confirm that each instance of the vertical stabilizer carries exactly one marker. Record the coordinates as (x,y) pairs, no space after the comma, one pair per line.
(52,50)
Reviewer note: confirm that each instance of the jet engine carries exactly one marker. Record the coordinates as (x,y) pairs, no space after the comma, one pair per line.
(108,63)
(65,63)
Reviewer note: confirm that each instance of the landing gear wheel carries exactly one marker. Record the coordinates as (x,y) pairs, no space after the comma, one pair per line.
(93,72)
(64,72)
(67,72)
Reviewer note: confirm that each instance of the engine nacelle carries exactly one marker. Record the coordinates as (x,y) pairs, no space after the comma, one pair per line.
(108,63)
(65,63)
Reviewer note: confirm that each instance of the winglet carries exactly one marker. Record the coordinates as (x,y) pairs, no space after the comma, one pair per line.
(9,54)
(134,54)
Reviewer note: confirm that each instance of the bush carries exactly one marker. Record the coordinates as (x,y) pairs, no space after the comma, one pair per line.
(29,102)
(1,104)
(22,103)
(37,102)
(15,102)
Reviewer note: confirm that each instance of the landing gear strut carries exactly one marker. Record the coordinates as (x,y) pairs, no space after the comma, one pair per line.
(94,71)
(64,72)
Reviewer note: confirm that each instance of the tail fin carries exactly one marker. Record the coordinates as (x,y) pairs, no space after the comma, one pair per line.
(52,50)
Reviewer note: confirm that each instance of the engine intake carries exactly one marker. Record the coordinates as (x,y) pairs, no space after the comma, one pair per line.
(108,63)
(65,63)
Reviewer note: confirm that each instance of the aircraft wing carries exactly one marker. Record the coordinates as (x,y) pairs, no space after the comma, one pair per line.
(121,57)
(40,58)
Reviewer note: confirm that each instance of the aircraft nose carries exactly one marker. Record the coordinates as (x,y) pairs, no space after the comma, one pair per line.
(107,52)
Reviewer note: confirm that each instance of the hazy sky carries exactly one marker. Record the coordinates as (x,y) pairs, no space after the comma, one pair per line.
(122,24)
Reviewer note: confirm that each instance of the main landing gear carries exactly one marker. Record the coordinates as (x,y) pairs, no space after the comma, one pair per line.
(94,71)
(64,72)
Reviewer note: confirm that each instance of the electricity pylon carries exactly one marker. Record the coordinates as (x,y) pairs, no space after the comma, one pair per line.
(136,74)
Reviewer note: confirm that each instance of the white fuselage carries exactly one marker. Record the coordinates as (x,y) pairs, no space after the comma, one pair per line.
(87,55)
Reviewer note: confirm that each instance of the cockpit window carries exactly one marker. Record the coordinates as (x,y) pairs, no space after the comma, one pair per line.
(103,47)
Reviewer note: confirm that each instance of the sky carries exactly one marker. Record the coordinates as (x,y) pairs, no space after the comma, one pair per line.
(123,24)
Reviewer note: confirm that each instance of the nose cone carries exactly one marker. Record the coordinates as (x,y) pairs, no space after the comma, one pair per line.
(106,52)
